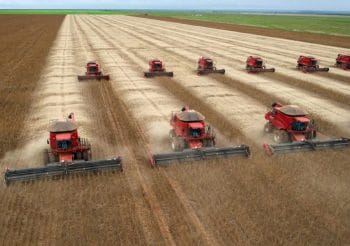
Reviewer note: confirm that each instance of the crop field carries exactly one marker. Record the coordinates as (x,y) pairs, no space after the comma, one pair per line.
(299,198)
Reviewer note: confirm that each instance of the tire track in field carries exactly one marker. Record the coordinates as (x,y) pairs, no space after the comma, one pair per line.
(160,178)
(101,34)
(26,214)
(323,119)
(120,124)
(322,84)
(249,90)
(309,82)
(94,30)
(272,45)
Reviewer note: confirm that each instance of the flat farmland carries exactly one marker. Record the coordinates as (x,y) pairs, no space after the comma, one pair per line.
(290,199)
(24,44)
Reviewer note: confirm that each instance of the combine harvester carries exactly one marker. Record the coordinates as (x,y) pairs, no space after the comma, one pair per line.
(156,68)
(309,64)
(294,131)
(192,139)
(68,154)
(206,66)
(256,64)
(343,61)
(93,73)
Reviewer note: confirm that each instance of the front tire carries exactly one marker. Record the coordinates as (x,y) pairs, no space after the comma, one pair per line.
(281,136)
(178,144)
(86,155)
(79,156)
(46,157)
(208,143)
(268,128)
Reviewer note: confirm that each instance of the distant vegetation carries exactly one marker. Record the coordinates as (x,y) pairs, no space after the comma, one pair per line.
(330,24)
(325,23)
(64,11)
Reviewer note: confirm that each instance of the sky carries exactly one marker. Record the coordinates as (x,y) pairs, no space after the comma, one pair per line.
(323,5)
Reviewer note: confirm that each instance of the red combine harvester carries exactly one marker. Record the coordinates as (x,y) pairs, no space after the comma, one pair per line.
(93,73)
(256,64)
(68,154)
(192,139)
(294,131)
(65,143)
(206,66)
(310,64)
(343,61)
(156,68)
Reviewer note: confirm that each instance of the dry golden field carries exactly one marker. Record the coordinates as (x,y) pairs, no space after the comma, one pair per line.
(294,199)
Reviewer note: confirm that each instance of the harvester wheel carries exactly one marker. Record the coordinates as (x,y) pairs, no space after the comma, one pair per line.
(79,156)
(171,134)
(181,144)
(281,136)
(52,158)
(173,144)
(86,155)
(177,144)
(209,143)
(268,128)
(46,157)
(311,135)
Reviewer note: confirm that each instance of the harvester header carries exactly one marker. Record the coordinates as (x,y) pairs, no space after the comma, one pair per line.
(62,169)
(166,159)
(308,145)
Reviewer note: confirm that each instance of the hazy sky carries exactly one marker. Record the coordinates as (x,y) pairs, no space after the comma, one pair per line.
(330,5)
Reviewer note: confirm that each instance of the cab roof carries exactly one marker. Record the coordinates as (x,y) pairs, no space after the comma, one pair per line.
(190,115)
(62,126)
(292,110)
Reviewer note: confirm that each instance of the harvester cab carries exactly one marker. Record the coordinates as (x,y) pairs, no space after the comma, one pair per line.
(65,143)
(156,68)
(207,65)
(189,131)
(68,154)
(156,65)
(256,64)
(293,130)
(310,64)
(191,138)
(93,72)
(92,68)
(343,61)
